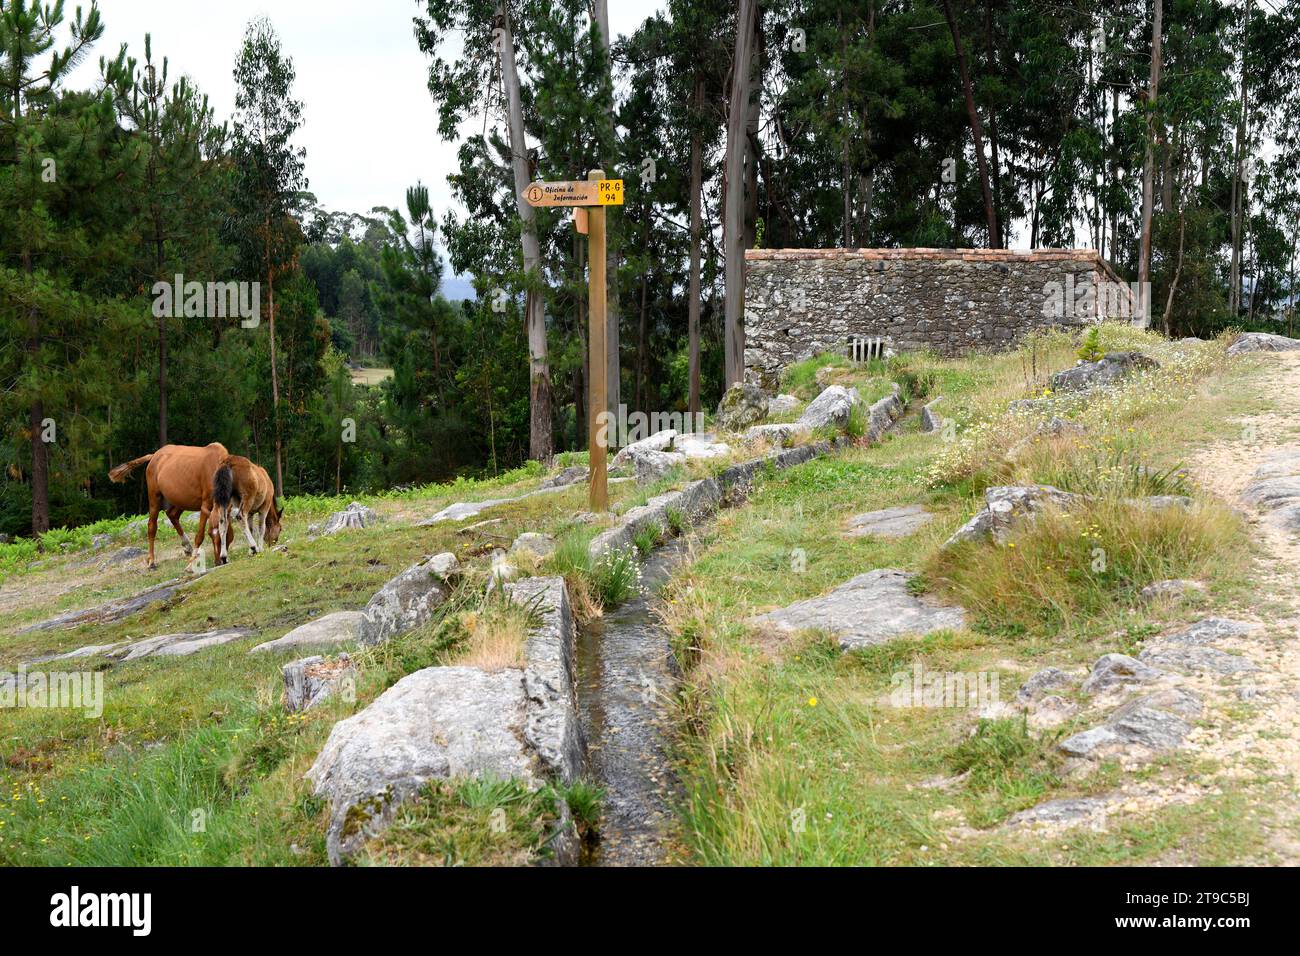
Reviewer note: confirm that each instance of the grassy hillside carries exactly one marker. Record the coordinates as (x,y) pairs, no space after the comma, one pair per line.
(789,751)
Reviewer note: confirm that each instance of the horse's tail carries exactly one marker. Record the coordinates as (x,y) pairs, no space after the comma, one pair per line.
(223,484)
(122,472)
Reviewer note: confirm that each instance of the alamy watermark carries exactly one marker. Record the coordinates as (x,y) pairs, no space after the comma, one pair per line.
(933,689)
(41,690)
(633,428)
(208,300)
(1113,300)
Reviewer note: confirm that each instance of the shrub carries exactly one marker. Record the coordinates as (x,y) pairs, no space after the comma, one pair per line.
(1063,568)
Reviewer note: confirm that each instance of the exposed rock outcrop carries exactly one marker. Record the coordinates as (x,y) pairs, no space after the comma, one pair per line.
(869,609)
(1262,342)
(406,601)
(329,630)
(1112,367)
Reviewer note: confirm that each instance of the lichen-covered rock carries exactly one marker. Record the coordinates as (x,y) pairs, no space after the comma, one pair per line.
(931,420)
(1112,367)
(405,602)
(438,723)
(889,522)
(650,465)
(1273,493)
(1005,504)
(565,477)
(1117,670)
(1154,723)
(869,609)
(782,405)
(329,630)
(1262,342)
(742,405)
(177,645)
(831,408)
(534,543)
(1194,659)
(697,499)
(659,441)
(1044,682)
(552,728)
(1207,631)
(882,415)
(778,434)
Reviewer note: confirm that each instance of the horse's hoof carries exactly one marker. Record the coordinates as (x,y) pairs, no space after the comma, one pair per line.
(151,567)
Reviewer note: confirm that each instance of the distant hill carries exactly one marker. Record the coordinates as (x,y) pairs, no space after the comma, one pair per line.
(455,288)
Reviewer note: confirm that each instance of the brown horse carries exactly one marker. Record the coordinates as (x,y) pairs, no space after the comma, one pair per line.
(238,481)
(179,479)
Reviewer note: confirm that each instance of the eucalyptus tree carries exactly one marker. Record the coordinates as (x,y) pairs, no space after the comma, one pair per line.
(487,79)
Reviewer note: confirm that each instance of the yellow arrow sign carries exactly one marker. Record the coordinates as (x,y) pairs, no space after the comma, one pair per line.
(601,192)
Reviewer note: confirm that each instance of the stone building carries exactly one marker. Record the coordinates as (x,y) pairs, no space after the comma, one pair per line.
(869,302)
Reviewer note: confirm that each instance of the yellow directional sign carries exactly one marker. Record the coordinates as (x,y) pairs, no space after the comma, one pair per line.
(600,192)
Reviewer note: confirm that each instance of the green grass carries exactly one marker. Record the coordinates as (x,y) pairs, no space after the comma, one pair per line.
(792,753)
(786,730)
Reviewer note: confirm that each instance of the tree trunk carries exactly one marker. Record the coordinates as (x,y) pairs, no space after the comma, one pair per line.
(996,177)
(734,191)
(1238,196)
(275,389)
(1149,164)
(693,287)
(600,13)
(1178,271)
(539,375)
(977,130)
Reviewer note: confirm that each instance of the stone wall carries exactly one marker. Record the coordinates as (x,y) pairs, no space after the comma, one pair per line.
(802,302)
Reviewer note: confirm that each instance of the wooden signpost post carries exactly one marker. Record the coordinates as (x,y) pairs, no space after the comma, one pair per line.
(590,197)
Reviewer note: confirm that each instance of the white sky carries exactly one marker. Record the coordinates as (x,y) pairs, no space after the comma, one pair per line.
(370,126)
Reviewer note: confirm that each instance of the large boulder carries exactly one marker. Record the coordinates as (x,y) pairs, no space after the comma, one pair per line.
(438,723)
(659,441)
(742,405)
(406,601)
(1112,367)
(869,609)
(831,408)
(330,630)
(649,464)
(1262,342)
(1005,505)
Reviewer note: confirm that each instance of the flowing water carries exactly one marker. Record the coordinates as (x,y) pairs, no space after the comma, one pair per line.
(626,679)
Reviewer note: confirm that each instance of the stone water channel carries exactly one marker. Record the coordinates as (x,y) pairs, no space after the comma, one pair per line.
(626,678)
